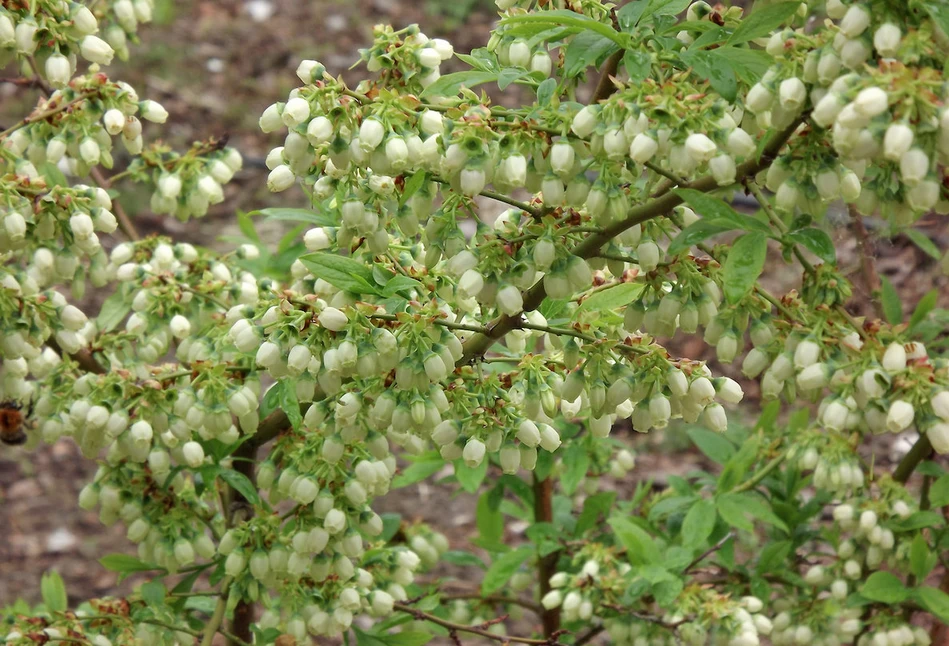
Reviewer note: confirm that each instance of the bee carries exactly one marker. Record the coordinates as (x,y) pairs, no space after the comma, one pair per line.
(12,421)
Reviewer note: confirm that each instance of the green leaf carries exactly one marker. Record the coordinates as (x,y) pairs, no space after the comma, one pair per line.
(412,185)
(712,208)
(53,592)
(457,557)
(921,560)
(817,242)
(470,478)
(342,272)
(391,524)
(638,64)
(939,13)
(593,507)
(545,92)
(743,265)
(489,520)
(665,8)
(733,512)
(939,492)
(611,298)
(187,584)
(113,311)
(749,64)
(451,84)
(290,404)
(246,225)
(629,14)
(763,21)
(153,593)
(577,461)
(697,232)
(773,556)
(587,48)
(54,176)
(641,549)
(421,468)
(890,299)
(758,508)
(298,215)
(401,283)
(567,18)
(699,523)
(885,588)
(923,241)
(714,445)
(934,600)
(717,71)
(510,74)
(241,484)
(504,567)
(918,520)
(125,564)
(923,308)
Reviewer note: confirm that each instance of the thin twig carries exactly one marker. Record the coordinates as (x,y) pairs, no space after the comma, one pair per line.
(714,548)
(474,630)
(753,481)
(46,114)
(546,565)
(871,280)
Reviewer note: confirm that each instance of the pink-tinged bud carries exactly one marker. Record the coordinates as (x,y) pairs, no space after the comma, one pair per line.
(900,416)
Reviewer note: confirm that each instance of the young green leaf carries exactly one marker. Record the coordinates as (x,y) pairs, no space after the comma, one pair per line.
(743,265)
(503,568)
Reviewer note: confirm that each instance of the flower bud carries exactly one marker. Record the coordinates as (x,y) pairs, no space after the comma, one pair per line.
(792,93)
(472,181)
(193,454)
(938,435)
(474,452)
(549,438)
(855,21)
(96,50)
(153,111)
(871,102)
(914,166)
(371,133)
(333,319)
(894,359)
(900,416)
(280,179)
(584,122)
(700,147)
(723,169)
(759,99)
(643,147)
(897,141)
(886,39)
(561,158)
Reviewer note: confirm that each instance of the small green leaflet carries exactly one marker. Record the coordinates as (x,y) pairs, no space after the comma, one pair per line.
(153,593)
(490,521)
(421,468)
(342,272)
(241,484)
(113,311)
(450,84)
(712,208)
(816,241)
(53,592)
(470,478)
(638,65)
(297,215)
(611,298)
(125,565)
(412,185)
(763,21)
(584,50)
(939,13)
(567,18)
(577,461)
(923,308)
(933,599)
(890,299)
(743,265)
(715,446)
(641,549)
(699,523)
(923,241)
(504,567)
(718,73)
(885,588)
